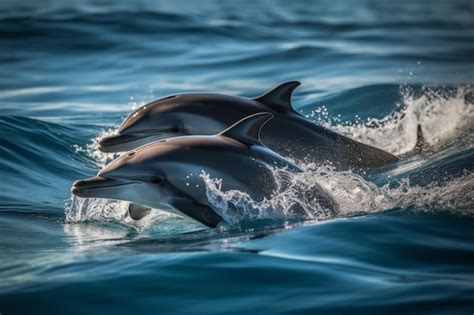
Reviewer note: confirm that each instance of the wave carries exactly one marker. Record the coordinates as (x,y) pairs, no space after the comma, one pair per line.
(37,160)
(41,146)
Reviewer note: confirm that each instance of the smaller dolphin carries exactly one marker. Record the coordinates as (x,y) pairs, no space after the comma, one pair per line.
(165,174)
(289,134)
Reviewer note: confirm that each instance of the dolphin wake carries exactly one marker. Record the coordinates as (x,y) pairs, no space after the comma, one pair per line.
(444,114)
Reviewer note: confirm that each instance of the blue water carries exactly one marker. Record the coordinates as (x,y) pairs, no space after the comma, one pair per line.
(403,241)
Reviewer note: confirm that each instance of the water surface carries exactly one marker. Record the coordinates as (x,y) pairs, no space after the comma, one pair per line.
(403,240)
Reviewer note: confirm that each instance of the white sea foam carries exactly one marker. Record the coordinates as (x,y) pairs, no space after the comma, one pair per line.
(234,205)
(92,148)
(352,193)
(443,115)
(108,210)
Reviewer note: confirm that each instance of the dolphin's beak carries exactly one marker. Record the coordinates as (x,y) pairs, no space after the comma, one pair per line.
(116,142)
(92,187)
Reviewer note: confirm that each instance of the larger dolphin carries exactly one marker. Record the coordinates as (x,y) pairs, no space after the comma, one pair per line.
(288,134)
(165,174)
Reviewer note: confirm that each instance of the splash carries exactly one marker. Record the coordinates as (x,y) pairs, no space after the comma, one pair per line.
(80,210)
(91,149)
(83,209)
(290,194)
(356,195)
(353,194)
(444,115)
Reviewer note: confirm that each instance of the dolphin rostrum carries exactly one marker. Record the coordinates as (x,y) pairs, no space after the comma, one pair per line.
(166,174)
(288,134)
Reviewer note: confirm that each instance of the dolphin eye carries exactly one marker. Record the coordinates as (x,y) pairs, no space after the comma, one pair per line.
(131,153)
(157,180)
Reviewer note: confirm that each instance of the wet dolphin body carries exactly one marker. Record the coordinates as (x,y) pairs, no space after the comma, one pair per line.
(288,134)
(165,174)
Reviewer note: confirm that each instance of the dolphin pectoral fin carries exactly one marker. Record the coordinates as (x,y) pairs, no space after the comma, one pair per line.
(199,212)
(279,98)
(137,212)
(247,130)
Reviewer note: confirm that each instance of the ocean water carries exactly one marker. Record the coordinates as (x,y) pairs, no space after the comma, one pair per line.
(403,240)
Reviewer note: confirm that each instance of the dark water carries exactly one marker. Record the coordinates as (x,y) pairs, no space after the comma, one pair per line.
(403,241)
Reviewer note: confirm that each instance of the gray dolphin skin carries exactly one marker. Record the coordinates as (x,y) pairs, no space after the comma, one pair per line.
(288,133)
(166,174)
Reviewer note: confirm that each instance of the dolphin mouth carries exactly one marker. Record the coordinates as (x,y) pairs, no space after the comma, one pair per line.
(121,143)
(111,143)
(91,187)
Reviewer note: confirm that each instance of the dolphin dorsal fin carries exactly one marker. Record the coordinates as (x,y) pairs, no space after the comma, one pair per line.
(420,139)
(279,98)
(247,130)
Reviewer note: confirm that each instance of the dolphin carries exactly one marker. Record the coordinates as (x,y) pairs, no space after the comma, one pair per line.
(288,133)
(166,174)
